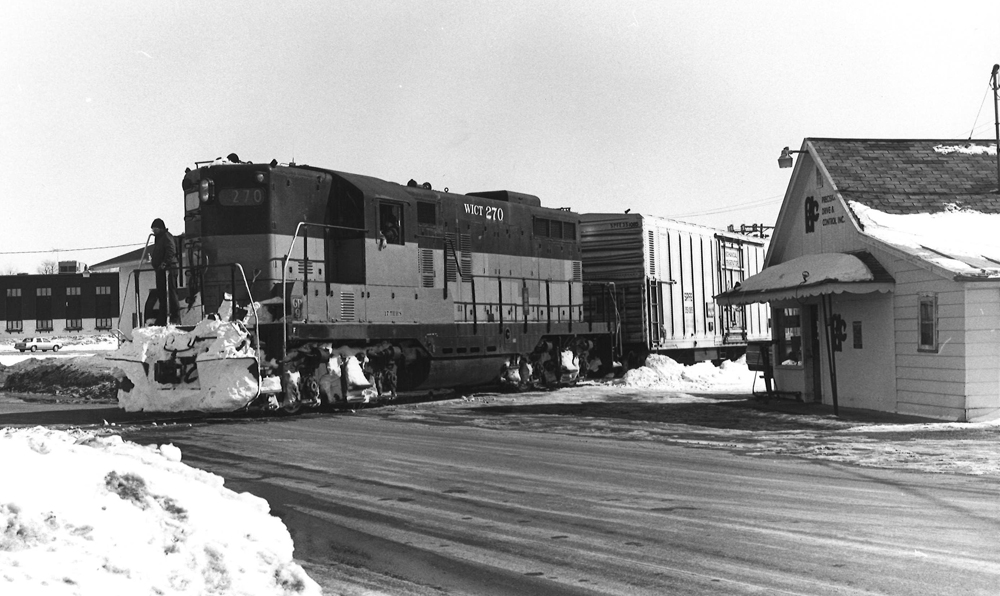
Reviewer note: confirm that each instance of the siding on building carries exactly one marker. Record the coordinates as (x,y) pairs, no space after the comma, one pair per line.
(982,351)
(929,384)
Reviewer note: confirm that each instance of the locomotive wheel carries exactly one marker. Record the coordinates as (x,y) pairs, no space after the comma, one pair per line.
(291,403)
(291,408)
(309,393)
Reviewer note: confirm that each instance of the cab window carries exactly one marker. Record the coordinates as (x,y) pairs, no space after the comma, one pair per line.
(390,226)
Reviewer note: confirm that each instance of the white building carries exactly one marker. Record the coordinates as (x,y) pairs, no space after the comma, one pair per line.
(884,277)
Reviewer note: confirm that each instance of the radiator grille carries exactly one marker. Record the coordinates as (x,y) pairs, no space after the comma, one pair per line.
(466,260)
(425,265)
(450,269)
(347,306)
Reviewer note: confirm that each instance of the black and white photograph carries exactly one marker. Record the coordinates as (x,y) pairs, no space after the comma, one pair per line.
(534,297)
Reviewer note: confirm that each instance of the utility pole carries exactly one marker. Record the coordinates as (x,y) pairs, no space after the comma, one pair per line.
(996,117)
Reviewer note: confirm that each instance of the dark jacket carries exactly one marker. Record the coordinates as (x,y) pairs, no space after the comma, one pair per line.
(164,251)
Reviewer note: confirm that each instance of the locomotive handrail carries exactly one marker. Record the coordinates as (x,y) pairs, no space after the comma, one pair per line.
(284,269)
(233,267)
(468,277)
(121,309)
(256,322)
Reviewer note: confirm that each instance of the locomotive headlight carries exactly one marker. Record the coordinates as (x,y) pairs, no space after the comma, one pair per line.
(205,191)
(260,177)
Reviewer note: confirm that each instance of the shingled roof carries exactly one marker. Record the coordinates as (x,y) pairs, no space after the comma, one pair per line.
(909,176)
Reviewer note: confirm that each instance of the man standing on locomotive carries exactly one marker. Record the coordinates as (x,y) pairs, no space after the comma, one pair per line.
(164,261)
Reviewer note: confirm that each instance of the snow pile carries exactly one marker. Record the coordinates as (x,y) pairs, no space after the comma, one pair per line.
(662,372)
(85,514)
(938,236)
(92,342)
(969,149)
(210,369)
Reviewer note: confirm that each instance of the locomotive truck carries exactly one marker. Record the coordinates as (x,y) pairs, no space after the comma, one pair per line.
(328,271)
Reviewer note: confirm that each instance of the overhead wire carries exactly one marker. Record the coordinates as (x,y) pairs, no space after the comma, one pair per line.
(36,252)
(737,207)
(981,104)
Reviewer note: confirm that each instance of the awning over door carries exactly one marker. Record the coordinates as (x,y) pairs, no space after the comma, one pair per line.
(812,275)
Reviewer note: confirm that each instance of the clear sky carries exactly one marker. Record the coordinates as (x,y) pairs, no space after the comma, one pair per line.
(677,109)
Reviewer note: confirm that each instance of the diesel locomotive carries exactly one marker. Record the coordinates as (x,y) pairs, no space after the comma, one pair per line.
(430,288)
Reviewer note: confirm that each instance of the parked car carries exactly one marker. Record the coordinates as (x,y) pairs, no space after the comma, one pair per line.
(33,344)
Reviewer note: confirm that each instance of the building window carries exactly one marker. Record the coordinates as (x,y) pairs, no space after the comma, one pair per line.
(13,306)
(104,307)
(927,323)
(74,311)
(789,329)
(858,343)
(43,309)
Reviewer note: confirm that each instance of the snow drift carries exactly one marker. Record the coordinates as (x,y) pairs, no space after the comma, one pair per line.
(663,372)
(88,514)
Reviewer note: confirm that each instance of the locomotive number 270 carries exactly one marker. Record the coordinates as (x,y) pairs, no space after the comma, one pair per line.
(486,211)
(494,213)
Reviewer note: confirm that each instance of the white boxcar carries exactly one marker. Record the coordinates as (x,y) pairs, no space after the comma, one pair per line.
(665,275)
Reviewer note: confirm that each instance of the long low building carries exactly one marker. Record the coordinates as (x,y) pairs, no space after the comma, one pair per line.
(59,303)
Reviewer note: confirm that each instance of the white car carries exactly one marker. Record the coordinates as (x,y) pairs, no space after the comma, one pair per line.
(34,344)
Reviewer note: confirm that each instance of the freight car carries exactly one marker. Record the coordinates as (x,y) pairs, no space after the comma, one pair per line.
(429,289)
(665,275)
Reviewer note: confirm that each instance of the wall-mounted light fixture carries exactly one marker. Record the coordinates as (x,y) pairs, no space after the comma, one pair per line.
(785,159)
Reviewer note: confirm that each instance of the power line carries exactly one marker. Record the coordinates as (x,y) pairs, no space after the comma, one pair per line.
(38,252)
(738,207)
(976,121)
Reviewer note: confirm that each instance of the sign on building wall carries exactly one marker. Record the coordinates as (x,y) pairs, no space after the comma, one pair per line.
(731,258)
(826,212)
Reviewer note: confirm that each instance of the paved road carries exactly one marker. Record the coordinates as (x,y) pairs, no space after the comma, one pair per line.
(411,508)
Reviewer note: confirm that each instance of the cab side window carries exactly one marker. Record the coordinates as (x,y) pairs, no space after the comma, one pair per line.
(390,217)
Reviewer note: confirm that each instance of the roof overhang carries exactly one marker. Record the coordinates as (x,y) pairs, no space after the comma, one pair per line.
(811,275)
